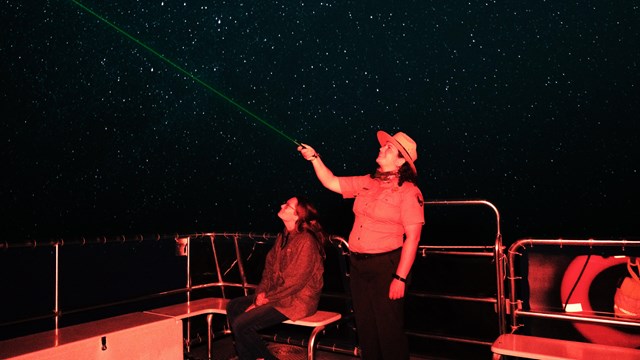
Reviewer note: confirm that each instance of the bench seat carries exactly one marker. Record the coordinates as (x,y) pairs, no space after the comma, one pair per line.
(210,306)
(318,322)
(534,347)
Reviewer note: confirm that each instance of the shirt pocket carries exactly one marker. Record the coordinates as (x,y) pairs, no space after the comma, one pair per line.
(387,208)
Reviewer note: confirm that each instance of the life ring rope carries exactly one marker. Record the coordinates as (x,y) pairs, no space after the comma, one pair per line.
(631,264)
(575,284)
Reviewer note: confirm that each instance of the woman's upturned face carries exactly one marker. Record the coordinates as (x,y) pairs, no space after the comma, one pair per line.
(389,158)
(288,210)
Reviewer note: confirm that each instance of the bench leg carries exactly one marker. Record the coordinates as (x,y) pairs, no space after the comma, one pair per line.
(312,342)
(187,341)
(209,335)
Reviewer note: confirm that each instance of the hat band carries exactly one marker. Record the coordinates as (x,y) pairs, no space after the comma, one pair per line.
(405,150)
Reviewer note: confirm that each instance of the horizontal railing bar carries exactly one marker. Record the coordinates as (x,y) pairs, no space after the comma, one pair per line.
(100,240)
(588,319)
(458,253)
(449,338)
(483,299)
(574,242)
(22,321)
(473,247)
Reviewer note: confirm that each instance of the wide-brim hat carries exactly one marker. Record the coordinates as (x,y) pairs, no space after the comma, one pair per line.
(405,145)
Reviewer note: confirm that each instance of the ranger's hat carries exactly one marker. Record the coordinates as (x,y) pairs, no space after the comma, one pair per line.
(405,145)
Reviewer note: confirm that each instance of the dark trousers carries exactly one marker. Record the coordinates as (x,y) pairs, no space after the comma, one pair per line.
(379,320)
(245,327)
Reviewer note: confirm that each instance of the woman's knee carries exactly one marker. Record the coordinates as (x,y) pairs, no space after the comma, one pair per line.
(241,323)
(235,307)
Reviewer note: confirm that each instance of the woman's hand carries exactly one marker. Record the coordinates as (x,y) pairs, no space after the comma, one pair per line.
(261,299)
(396,289)
(323,173)
(307,152)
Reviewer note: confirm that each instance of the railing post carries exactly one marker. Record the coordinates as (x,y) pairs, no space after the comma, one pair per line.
(56,305)
(183,247)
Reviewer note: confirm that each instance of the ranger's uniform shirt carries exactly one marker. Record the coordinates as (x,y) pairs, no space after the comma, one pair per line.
(382,211)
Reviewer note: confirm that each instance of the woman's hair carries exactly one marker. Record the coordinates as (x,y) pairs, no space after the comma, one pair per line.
(308,221)
(406,174)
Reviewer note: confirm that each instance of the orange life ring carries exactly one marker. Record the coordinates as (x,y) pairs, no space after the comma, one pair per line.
(599,334)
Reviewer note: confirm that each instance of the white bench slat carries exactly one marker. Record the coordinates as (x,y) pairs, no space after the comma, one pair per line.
(317,319)
(534,347)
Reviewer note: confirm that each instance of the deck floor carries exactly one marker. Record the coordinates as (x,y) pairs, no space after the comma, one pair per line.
(223,349)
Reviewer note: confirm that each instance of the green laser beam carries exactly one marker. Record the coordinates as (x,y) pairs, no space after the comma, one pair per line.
(185,72)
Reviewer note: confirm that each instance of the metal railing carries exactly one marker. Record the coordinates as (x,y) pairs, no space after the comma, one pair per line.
(57,247)
(517,250)
(494,250)
(183,246)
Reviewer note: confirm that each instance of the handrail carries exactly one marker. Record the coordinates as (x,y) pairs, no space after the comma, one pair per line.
(56,314)
(495,250)
(82,241)
(590,319)
(514,302)
(471,202)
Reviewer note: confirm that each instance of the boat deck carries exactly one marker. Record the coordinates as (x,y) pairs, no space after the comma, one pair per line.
(223,350)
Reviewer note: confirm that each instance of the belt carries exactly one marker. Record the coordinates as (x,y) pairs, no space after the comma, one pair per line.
(362,256)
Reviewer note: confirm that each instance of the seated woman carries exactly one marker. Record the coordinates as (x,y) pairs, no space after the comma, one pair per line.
(291,281)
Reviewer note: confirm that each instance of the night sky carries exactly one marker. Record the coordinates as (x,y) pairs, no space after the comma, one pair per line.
(531,105)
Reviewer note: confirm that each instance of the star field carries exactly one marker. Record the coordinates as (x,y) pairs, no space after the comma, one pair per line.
(532,106)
